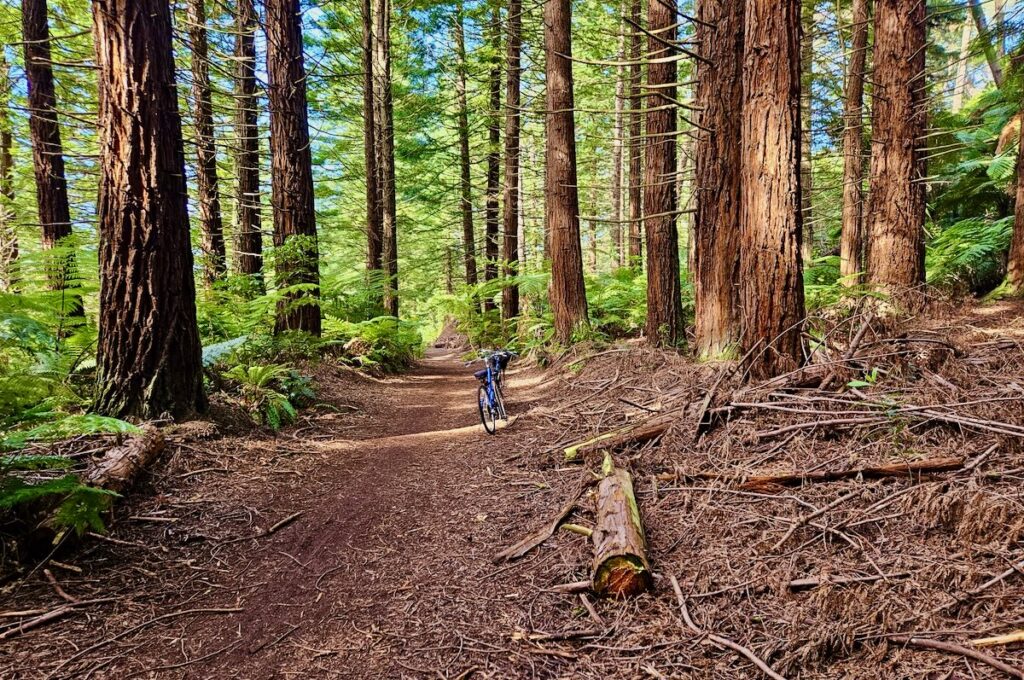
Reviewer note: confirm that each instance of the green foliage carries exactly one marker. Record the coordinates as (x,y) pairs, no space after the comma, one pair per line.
(383,343)
(617,302)
(970,254)
(264,389)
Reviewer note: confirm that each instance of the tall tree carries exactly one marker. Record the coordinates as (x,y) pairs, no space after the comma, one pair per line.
(248,235)
(896,204)
(964,56)
(636,145)
(374,205)
(148,352)
(1015,277)
(384,129)
(47,151)
(510,219)
(465,182)
(987,43)
(771,284)
(211,226)
(295,241)
(562,204)
(8,233)
(851,241)
(491,203)
(664,306)
(618,134)
(806,103)
(716,248)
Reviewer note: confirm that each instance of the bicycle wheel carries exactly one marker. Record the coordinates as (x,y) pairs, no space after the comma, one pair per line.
(487,412)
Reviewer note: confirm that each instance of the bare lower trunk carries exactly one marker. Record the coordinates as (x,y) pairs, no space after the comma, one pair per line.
(296,253)
(511,223)
(8,233)
(617,146)
(716,252)
(806,102)
(664,307)
(492,205)
(211,226)
(1015,276)
(562,205)
(771,284)
(465,181)
(374,212)
(636,144)
(385,131)
(248,236)
(851,241)
(896,207)
(47,151)
(148,354)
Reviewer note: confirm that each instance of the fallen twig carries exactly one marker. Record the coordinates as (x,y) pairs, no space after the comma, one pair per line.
(814,515)
(534,539)
(952,648)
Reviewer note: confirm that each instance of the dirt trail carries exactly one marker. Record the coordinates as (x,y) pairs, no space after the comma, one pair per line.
(392,517)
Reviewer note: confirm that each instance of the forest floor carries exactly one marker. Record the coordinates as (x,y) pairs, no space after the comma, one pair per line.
(359,542)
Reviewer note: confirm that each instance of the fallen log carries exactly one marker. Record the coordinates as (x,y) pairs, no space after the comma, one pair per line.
(121,465)
(637,434)
(620,550)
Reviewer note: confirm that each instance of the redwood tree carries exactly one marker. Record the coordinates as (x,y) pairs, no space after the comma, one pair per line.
(771,284)
(465,183)
(8,233)
(562,205)
(636,147)
(384,130)
(374,206)
(148,356)
(47,151)
(664,307)
(1015,277)
(491,202)
(211,226)
(295,240)
(717,151)
(851,241)
(896,206)
(510,221)
(248,236)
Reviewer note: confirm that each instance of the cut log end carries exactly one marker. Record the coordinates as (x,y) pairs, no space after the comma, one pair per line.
(622,576)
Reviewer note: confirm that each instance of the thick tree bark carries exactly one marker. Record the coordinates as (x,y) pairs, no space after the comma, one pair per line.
(465,180)
(511,222)
(562,204)
(8,233)
(211,225)
(771,283)
(248,235)
(148,359)
(636,144)
(47,151)
(806,102)
(896,205)
(664,306)
(296,256)
(716,251)
(851,241)
(492,201)
(1015,277)
(374,206)
(385,132)
(617,147)
(985,36)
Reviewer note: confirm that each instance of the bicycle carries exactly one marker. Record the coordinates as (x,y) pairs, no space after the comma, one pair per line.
(490,400)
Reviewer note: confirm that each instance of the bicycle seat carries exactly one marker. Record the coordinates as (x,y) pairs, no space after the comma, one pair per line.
(481,374)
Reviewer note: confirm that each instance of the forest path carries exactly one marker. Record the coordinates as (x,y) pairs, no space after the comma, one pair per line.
(390,519)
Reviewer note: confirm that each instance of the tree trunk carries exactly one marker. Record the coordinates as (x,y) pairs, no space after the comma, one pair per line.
(511,222)
(664,307)
(468,239)
(851,241)
(771,283)
(1015,276)
(148,354)
(562,204)
(636,144)
(985,36)
(896,205)
(716,252)
(960,85)
(806,103)
(385,131)
(617,145)
(210,222)
(492,203)
(8,233)
(248,234)
(47,152)
(296,255)
(374,206)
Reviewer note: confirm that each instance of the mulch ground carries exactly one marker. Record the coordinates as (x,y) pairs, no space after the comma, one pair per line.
(359,542)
